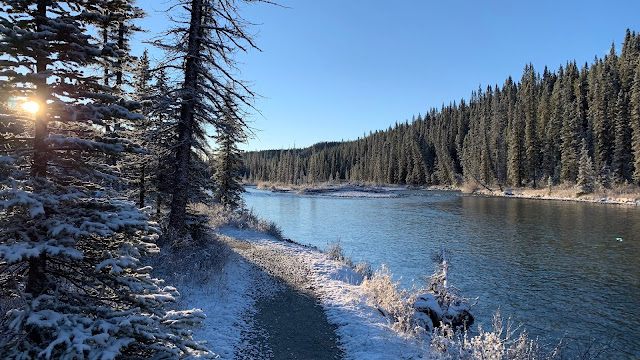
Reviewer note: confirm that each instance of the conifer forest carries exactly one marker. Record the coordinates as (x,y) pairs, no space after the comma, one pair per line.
(102,155)
(579,124)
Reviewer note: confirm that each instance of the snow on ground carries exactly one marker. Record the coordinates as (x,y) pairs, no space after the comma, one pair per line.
(364,333)
(227,301)
(359,194)
(226,292)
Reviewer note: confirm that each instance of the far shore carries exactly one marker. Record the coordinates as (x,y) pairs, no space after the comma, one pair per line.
(558,193)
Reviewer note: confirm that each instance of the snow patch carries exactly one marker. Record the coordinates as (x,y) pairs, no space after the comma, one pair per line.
(363,332)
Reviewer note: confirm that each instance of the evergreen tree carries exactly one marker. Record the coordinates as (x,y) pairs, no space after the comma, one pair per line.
(635,124)
(528,93)
(202,51)
(621,161)
(586,173)
(69,246)
(570,132)
(228,159)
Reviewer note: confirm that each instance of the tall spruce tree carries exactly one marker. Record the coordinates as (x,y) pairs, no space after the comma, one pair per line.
(202,50)
(621,157)
(69,246)
(635,124)
(586,173)
(228,158)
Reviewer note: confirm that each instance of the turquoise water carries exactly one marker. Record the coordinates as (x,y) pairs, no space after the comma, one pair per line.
(555,267)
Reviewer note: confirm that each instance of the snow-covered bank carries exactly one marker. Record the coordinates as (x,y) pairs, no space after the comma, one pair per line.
(226,284)
(335,190)
(558,193)
(231,276)
(611,197)
(220,283)
(363,331)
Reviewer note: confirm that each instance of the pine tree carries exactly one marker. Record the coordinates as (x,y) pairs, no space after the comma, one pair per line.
(69,246)
(586,173)
(142,93)
(228,159)
(527,93)
(570,131)
(621,159)
(515,137)
(635,124)
(202,51)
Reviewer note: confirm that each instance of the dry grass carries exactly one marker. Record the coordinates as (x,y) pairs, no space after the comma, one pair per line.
(335,252)
(620,194)
(503,343)
(394,303)
(220,216)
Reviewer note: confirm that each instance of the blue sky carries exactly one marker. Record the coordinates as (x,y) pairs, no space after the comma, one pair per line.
(336,69)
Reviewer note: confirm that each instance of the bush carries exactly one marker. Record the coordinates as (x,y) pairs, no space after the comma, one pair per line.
(500,344)
(220,216)
(394,303)
(335,252)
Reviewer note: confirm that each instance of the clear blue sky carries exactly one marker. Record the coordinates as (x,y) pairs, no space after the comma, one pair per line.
(336,69)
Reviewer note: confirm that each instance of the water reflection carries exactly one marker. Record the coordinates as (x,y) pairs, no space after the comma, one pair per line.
(556,267)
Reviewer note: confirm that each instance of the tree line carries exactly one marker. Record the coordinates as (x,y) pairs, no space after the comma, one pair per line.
(577,125)
(102,156)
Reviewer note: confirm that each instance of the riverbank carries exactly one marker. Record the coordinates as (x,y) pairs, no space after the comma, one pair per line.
(270,299)
(335,189)
(622,196)
(562,193)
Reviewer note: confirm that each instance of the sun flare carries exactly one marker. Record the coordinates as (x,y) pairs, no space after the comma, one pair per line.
(31,107)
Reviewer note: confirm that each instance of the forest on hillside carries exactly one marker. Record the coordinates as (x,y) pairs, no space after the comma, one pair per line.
(577,125)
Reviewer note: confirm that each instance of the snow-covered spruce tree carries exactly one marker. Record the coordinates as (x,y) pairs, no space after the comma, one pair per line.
(116,25)
(69,251)
(162,115)
(202,50)
(227,162)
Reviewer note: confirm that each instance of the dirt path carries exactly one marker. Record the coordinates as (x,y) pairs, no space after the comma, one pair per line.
(289,323)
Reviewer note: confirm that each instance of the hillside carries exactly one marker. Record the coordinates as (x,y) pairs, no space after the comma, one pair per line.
(577,125)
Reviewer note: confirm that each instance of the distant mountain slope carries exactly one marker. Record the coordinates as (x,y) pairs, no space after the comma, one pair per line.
(579,124)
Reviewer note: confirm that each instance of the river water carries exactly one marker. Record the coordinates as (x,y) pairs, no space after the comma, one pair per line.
(558,268)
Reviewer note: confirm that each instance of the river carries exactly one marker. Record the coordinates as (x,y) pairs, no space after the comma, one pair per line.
(558,268)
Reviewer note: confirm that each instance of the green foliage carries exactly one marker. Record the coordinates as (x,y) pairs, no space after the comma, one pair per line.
(516,135)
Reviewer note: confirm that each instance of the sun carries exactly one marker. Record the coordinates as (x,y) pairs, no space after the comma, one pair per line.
(30,107)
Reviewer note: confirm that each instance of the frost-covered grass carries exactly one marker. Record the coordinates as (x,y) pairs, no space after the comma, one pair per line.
(220,216)
(210,277)
(503,343)
(336,252)
(395,303)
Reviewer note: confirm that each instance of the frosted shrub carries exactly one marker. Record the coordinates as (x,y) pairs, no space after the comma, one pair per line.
(267,227)
(392,302)
(335,252)
(500,344)
(221,216)
(364,268)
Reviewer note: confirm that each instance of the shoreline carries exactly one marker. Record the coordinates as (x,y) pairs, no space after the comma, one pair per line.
(559,193)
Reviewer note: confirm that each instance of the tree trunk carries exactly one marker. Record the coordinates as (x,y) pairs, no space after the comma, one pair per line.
(142,187)
(177,217)
(36,281)
(37,265)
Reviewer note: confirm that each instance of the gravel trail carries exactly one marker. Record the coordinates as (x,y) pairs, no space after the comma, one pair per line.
(288,322)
